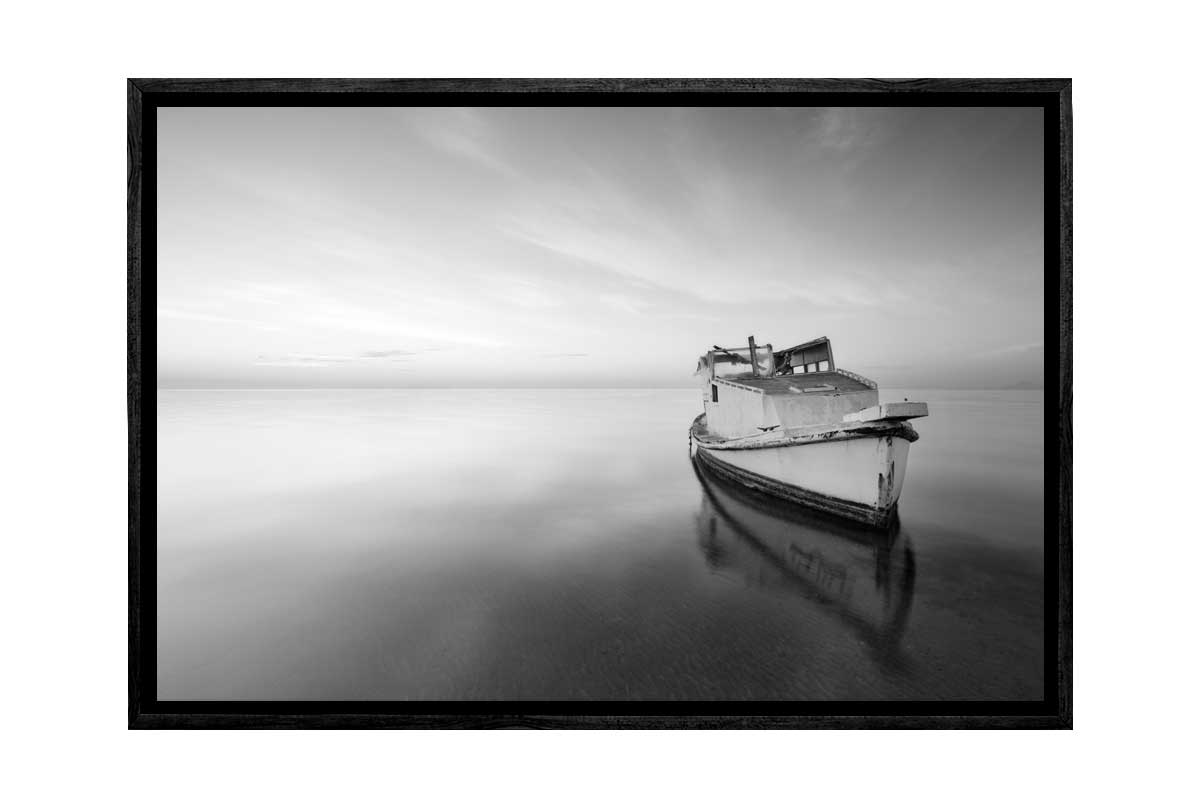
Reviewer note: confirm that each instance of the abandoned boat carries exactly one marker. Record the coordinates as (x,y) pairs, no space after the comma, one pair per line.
(791,424)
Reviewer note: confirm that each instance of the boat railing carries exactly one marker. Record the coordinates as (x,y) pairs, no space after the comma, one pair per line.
(736,384)
(859,378)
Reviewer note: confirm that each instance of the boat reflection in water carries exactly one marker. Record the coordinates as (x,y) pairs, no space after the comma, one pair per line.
(864,576)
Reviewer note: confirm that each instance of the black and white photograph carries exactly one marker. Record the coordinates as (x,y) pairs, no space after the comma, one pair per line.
(732,401)
(646,405)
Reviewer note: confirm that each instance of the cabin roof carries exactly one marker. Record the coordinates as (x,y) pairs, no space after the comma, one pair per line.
(808,344)
(794,384)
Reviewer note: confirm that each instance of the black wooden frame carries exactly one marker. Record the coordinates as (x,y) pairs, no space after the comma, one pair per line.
(145,711)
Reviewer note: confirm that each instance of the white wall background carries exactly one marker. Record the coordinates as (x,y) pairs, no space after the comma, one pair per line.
(63,338)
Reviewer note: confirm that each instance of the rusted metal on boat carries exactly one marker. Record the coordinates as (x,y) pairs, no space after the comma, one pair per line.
(804,431)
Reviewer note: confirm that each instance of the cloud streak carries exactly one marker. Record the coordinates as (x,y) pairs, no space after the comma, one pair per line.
(327,360)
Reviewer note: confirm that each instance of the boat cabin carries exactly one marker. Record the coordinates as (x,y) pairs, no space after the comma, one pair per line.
(806,358)
(754,389)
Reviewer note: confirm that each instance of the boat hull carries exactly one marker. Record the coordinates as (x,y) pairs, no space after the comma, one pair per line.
(855,477)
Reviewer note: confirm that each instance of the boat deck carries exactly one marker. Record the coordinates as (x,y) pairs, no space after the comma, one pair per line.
(816,382)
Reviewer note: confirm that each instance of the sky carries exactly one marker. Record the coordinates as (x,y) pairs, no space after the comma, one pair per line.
(595,247)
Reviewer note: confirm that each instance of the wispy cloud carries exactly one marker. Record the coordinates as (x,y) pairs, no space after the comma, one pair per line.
(463,133)
(387,354)
(850,129)
(302,360)
(326,360)
(172,313)
(363,309)
(1016,348)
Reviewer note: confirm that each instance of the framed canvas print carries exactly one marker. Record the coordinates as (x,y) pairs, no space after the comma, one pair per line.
(599,403)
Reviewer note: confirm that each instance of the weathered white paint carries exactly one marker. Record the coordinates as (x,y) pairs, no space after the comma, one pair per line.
(741,411)
(889,410)
(849,470)
(737,412)
(817,441)
(804,410)
(900,458)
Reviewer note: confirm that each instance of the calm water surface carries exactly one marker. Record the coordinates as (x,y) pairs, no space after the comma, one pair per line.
(434,544)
